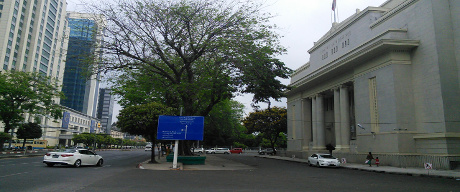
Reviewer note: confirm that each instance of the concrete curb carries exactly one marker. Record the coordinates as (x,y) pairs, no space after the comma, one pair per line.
(448,174)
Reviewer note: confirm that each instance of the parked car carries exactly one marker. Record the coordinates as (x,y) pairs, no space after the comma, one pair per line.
(321,160)
(75,157)
(197,150)
(148,148)
(268,151)
(236,150)
(218,150)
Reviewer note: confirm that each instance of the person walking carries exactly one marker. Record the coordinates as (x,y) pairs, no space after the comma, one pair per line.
(369,159)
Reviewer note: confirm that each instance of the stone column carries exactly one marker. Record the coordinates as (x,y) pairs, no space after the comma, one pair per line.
(345,117)
(313,122)
(321,135)
(307,123)
(337,120)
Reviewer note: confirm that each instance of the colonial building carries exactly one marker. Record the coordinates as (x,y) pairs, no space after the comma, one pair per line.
(386,81)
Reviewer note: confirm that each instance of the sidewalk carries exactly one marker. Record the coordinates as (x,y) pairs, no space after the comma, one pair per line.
(216,163)
(451,174)
(212,163)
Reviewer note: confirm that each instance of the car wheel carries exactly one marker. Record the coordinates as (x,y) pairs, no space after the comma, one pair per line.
(226,153)
(309,163)
(239,153)
(200,152)
(100,162)
(77,163)
(213,152)
(50,164)
(317,164)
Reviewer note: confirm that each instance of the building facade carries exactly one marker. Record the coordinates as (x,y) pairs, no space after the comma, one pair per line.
(33,36)
(61,132)
(80,89)
(386,81)
(105,109)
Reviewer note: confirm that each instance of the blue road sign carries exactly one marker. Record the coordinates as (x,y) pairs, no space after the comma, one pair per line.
(180,127)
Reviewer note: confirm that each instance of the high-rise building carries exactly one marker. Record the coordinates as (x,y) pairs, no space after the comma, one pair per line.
(33,36)
(105,109)
(80,88)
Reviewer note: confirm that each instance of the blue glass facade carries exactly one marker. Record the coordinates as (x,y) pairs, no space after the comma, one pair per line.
(81,41)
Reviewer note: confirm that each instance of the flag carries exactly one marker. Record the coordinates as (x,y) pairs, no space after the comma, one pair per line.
(333,5)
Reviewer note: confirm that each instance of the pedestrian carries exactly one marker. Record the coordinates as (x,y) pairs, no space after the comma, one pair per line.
(377,161)
(369,159)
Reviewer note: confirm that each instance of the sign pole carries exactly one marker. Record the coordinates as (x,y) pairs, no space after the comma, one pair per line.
(176,150)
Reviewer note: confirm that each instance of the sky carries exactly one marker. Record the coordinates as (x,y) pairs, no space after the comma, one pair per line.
(300,22)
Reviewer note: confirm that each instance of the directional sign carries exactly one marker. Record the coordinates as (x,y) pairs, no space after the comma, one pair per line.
(180,127)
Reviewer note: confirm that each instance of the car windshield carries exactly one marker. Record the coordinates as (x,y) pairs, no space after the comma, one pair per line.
(327,156)
(68,150)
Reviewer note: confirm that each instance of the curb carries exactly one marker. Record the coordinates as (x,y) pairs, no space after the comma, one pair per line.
(434,175)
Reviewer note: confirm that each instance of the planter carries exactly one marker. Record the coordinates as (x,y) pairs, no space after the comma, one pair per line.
(188,160)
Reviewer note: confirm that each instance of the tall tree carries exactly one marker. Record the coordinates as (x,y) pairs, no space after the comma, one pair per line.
(32,93)
(4,137)
(223,124)
(269,122)
(29,131)
(143,120)
(195,53)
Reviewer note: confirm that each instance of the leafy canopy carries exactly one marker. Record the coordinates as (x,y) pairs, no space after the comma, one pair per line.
(192,53)
(29,131)
(143,120)
(22,92)
(269,123)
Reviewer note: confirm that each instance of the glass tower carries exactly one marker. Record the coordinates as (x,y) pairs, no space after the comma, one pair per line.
(79,86)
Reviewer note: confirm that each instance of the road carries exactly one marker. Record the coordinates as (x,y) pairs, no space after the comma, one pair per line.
(119,173)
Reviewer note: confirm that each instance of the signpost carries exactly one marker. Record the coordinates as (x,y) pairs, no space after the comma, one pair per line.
(180,128)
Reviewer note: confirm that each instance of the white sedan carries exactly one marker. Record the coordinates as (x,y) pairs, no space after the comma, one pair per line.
(326,160)
(75,157)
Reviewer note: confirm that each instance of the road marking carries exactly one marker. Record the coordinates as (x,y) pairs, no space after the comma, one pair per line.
(13,174)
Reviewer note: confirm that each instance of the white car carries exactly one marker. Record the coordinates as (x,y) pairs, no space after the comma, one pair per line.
(323,160)
(197,150)
(75,157)
(148,148)
(218,150)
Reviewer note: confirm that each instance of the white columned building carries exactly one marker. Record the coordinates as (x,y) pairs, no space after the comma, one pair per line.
(385,80)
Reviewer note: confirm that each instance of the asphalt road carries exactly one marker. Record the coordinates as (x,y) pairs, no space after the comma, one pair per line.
(119,173)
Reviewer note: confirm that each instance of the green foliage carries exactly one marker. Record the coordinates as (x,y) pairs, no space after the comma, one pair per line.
(4,137)
(29,131)
(223,124)
(32,93)
(143,120)
(91,139)
(269,123)
(192,53)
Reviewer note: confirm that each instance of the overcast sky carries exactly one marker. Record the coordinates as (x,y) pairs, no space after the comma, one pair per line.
(301,22)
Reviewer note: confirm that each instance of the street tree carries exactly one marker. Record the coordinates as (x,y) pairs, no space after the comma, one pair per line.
(4,137)
(269,123)
(88,139)
(29,131)
(223,124)
(32,93)
(194,53)
(143,120)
